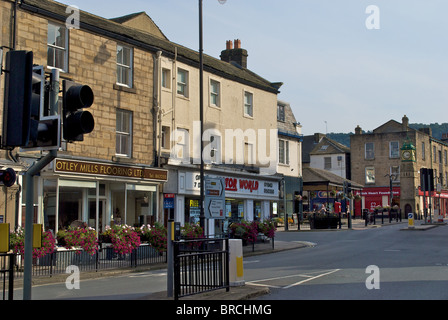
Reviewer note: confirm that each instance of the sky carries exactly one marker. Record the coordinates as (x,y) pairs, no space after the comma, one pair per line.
(343,63)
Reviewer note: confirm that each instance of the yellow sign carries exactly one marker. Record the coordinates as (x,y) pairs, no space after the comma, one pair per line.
(4,237)
(37,235)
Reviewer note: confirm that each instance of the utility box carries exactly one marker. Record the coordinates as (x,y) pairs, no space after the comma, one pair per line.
(236,271)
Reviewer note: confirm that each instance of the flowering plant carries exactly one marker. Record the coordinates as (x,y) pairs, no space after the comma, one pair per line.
(267,227)
(192,231)
(124,238)
(157,237)
(17,240)
(84,238)
(248,231)
(144,232)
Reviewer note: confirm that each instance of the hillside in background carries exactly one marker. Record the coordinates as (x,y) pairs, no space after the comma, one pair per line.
(437,131)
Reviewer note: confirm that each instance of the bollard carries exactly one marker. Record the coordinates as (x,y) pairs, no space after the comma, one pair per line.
(236,271)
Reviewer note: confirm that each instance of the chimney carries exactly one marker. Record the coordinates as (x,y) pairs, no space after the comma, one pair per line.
(444,137)
(236,54)
(358,130)
(405,123)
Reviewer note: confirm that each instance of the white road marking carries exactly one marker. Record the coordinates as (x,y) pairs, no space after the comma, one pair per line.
(308,276)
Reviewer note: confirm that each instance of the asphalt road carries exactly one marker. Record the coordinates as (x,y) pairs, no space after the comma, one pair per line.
(381,263)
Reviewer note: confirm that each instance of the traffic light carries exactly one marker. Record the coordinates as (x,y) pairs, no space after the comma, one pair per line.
(25,98)
(7,177)
(17,123)
(77,122)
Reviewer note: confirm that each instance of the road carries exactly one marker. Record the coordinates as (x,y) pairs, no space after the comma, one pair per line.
(406,265)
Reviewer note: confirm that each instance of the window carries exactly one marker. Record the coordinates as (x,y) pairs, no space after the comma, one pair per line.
(445,155)
(57,47)
(280,112)
(423,151)
(327,163)
(182,82)
(124,66)
(166,78)
(370,175)
(215,89)
(394,149)
(283,151)
(248,104)
(395,173)
(124,133)
(369,151)
(165,140)
(434,154)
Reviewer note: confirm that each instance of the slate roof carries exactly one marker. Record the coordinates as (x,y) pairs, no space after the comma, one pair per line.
(146,41)
(329,146)
(314,176)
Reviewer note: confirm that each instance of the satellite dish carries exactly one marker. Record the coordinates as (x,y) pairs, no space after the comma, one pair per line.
(222,1)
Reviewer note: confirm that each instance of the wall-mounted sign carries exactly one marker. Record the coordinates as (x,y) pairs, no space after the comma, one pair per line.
(104,169)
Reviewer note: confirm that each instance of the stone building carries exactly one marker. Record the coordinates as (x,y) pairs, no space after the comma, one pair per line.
(378,162)
(146,97)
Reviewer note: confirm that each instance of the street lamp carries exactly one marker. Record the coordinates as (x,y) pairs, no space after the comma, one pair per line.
(392,177)
(201,115)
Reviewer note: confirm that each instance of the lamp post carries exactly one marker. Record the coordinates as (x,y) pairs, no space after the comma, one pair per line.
(201,114)
(392,178)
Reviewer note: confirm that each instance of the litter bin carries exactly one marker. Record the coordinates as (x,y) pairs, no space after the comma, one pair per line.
(236,271)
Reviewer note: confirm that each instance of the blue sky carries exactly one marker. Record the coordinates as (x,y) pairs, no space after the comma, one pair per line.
(337,73)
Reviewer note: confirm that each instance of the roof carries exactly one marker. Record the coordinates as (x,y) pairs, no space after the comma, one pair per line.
(141,21)
(147,41)
(329,146)
(322,178)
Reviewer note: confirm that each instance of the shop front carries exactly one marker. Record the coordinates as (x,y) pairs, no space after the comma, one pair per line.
(436,199)
(246,198)
(97,194)
(375,197)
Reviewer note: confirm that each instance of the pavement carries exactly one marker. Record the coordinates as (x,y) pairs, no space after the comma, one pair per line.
(247,292)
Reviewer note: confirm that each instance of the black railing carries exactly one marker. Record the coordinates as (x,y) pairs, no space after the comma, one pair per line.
(7,261)
(105,258)
(200,265)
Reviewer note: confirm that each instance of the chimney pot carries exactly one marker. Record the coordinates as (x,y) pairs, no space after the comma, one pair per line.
(237,43)
(229,45)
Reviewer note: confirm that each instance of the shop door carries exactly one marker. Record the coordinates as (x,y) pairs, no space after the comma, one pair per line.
(101,214)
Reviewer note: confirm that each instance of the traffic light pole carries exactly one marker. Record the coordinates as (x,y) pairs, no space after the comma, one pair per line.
(28,259)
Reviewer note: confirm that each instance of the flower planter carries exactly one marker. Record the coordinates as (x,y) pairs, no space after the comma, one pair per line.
(330,222)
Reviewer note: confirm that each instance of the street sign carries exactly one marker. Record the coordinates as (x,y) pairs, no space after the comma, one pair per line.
(215,199)
(168,201)
(410,220)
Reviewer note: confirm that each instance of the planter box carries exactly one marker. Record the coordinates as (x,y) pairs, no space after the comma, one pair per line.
(324,223)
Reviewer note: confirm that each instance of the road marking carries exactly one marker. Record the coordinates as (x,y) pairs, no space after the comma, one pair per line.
(306,280)
(309,277)
(307,243)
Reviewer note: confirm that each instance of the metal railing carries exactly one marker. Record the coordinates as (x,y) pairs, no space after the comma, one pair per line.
(7,261)
(105,258)
(200,265)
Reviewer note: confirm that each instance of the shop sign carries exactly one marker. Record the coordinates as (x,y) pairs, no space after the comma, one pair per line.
(233,185)
(104,169)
